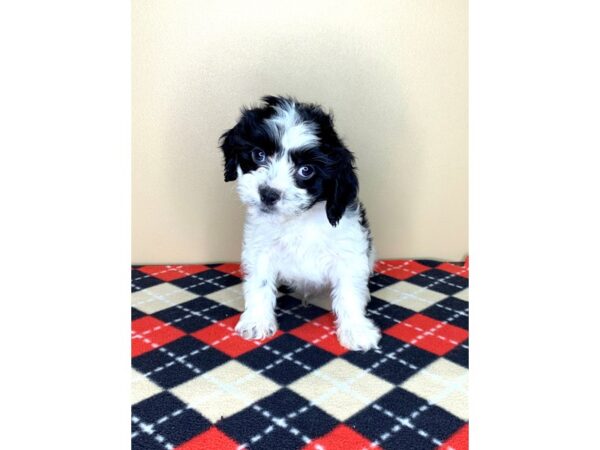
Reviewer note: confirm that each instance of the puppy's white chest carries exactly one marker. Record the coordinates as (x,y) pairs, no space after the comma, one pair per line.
(302,254)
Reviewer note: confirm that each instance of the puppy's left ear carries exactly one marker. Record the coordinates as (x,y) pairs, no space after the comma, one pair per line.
(229,147)
(344,185)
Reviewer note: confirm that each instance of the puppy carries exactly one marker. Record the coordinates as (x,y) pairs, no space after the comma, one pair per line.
(305,227)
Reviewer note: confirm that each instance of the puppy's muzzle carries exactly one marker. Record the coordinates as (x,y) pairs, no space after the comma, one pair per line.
(269,196)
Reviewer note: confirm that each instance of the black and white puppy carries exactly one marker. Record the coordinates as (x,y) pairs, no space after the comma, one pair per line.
(305,227)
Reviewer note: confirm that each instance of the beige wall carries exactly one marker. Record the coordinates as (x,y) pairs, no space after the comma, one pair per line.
(393,72)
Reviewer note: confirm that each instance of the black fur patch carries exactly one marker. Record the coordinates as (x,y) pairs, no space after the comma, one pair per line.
(364,222)
(335,180)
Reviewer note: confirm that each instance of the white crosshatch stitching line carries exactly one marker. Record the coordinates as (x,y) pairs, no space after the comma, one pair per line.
(238,382)
(208,308)
(420,289)
(230,388)
(376,311)
(169,268)
(411,366)
(196,313)
(413,295)
(392,267)
(425,332)
(149,429)
(205,347)
(360,375)
(226,388)
(179,319)
(449,388)
(332,331)
(155,296)
(287,357)
(179,269)
(231,329)
(388,304)
(280,422)
(312,403)
(443,338)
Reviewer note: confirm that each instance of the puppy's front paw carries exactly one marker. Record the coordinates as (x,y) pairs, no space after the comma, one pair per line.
(360,335)
(253,326)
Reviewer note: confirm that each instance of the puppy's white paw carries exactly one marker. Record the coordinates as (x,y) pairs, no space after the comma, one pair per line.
(359,335)
(253,326)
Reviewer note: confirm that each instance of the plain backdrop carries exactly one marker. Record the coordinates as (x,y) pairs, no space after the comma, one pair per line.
(394,73)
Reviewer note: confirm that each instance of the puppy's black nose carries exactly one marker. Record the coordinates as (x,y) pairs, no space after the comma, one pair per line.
(269,196)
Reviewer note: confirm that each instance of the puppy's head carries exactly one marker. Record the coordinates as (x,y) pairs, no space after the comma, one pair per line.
(286,156)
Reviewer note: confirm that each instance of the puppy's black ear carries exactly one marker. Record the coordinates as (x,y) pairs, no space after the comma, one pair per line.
(230,151)
(343,188)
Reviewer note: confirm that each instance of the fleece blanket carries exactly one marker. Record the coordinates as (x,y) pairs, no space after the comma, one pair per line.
(197,385)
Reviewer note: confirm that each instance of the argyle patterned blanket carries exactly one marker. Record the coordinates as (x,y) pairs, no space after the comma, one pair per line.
(197,385)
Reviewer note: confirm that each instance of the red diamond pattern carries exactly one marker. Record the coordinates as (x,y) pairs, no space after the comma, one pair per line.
(165,414)
(170,273)
(150,333)
(315,330)
(222,337)
(232,269)
(458,441)
(341,438)
(400,269)
(212,439)
(462,271)
(429,334)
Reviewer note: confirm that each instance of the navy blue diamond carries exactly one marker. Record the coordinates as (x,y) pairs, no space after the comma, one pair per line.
(168,367)
(312,422)
(385,314)
(451,310)
(459,355)
(379,281)
(201,311)
(143,441)
(286,371)
(406,363)
(141,280)
(289,318)
(178,428)
(206,282)
(433,420)
(440,281)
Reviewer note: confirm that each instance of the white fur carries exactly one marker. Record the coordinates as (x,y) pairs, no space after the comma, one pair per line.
(287,127)
(308,254)
(300,248)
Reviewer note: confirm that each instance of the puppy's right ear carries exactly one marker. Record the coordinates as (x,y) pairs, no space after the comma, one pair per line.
(229,146)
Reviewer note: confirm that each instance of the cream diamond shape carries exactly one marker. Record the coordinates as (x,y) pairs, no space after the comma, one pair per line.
(463,295)
(409,295)
(141,387)
(442,383)
(224,390)
(159,297)
(233,296)
(340,388)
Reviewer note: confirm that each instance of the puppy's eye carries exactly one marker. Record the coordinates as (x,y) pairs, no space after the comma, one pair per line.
(259,156)
(306,172)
